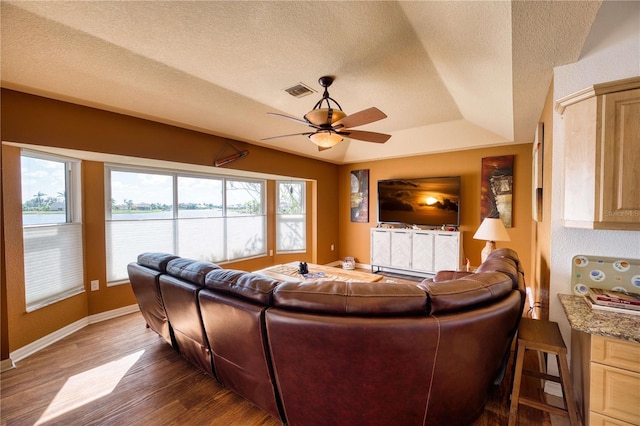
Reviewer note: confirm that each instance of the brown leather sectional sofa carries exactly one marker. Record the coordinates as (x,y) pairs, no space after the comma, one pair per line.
(340,353)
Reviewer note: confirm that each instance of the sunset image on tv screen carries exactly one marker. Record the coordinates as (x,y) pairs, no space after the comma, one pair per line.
(425,201)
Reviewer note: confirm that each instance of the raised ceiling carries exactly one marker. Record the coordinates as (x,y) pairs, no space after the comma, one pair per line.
(449,75)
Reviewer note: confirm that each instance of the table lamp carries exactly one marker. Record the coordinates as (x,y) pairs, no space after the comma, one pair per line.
(491,229)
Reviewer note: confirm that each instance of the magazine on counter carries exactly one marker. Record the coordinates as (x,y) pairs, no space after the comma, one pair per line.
(619,308)
(612,296)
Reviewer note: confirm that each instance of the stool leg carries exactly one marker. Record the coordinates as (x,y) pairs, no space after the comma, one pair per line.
(542,366)
(515,391)
(567,389)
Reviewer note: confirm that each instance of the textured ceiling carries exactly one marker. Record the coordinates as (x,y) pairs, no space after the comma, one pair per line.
(449,75)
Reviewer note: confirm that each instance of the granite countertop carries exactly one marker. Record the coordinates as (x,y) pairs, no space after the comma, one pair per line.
(610,324)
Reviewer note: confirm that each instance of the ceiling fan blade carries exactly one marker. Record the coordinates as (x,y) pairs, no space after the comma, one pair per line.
(366,136)
(297,120)
(365,116)
(286,136)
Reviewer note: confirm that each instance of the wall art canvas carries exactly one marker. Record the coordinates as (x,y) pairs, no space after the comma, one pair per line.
(537,173)
(360,196)
(496,197)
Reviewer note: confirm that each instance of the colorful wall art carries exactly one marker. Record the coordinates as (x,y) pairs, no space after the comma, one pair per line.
(360,196)
(496,197)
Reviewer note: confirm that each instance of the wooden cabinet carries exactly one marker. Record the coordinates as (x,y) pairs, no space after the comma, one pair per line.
(415,251)
(615,379)
(601,132)
(608,373)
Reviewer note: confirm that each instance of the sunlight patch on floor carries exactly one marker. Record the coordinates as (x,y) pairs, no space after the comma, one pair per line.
(88,386)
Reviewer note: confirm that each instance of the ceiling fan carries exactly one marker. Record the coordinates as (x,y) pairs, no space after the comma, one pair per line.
(331,124)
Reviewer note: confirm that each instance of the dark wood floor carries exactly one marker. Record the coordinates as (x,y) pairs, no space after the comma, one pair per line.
(118,372)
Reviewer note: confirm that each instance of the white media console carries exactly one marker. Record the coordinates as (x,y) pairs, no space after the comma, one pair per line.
(415,251)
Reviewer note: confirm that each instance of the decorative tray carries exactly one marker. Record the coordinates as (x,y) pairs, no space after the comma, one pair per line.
(611,273)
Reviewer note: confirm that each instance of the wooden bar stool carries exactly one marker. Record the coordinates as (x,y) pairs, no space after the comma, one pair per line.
(542,336)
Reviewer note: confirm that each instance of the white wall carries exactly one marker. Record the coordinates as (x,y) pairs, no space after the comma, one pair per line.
(611,52)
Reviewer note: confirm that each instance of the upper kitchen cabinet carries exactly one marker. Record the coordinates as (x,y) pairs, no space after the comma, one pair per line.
(601,130)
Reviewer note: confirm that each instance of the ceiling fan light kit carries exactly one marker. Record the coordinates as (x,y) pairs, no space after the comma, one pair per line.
(332,125)
(324,116)
(325,138)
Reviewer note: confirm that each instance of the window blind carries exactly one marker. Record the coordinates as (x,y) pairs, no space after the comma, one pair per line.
(126,239)
(291,235)
(53,263)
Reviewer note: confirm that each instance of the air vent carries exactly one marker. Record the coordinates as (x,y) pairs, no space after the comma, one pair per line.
(300,90)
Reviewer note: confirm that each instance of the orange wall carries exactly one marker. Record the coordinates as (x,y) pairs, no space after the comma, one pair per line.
(40,121)
(354,237)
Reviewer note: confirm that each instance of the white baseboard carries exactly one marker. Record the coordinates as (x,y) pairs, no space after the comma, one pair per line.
(6,364)
(33,347)
(103,316)
(363,266)
(338,264)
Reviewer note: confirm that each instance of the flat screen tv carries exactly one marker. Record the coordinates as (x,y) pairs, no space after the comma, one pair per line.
(431,201)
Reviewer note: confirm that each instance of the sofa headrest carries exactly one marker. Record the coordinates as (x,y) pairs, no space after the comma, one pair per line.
(508,253)
(157,261)
(254,287)
(190,270)
(505,253)
(465,292)
(351,298)
(504,265)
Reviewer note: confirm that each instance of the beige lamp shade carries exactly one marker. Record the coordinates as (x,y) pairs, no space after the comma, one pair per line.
(491,230)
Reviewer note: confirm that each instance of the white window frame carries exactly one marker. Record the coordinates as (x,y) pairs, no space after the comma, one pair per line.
(281,218)
(176,220)
(56,248)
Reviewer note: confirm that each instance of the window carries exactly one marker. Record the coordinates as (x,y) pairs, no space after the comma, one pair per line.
(52,231)
(201,218)
(246,220)
(139,218)
(290,217)
(206,218)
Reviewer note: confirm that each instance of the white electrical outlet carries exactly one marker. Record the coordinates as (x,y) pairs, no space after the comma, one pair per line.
(95,285)
(332,247)
(270,252)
